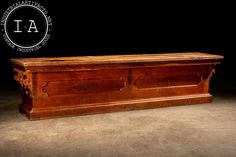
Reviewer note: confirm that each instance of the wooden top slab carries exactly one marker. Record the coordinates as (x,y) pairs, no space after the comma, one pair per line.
(52,61)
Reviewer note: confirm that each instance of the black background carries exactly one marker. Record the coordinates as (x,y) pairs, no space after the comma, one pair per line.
(132,27)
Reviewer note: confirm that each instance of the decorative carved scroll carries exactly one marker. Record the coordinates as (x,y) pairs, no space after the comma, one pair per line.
(152,82)
(166,77)
(211,72)
(24,78)
(83,86)
(169,81)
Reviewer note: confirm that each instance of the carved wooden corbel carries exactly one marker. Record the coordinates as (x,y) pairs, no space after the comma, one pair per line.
(24,78)
(211,72)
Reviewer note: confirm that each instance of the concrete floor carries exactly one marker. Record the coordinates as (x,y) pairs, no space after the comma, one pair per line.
(184,131)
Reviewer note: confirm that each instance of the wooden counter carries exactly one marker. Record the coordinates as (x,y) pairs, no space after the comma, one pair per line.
(65,86)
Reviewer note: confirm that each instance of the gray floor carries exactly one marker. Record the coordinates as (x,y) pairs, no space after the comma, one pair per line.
(184,131)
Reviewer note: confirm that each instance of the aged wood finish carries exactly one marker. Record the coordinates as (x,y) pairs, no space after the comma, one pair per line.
(64,86)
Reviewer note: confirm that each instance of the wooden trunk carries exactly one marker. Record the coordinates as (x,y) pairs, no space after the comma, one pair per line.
(65,86)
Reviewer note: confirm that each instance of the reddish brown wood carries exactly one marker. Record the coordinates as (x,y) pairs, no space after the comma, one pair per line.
(64,86)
